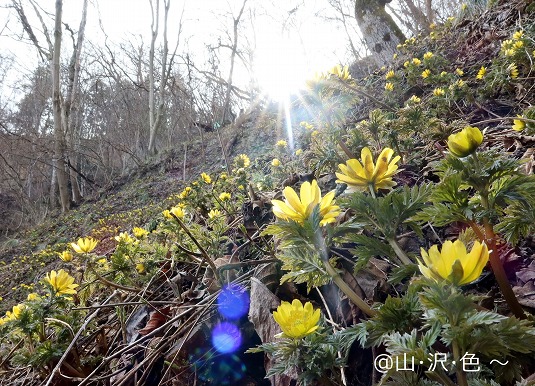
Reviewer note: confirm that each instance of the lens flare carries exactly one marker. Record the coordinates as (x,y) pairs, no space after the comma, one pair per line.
(233,302)
(226,337)
(217,369)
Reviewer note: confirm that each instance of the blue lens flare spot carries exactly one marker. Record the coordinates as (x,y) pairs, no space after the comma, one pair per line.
(226,337)
(233,302)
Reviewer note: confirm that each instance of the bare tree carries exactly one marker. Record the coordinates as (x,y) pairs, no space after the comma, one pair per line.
(156,112)
(59,135)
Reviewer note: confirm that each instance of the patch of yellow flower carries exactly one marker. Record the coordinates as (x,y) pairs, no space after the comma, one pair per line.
(438,92)
(275,163)
(32,296)
(453,263)
(295,320)
(428,55)
(341,72)
(426,73)
(242,161)
(85,245)
(281,143)
(481,73)
(186,192)
(139,232)
(225,196)
(513,70)
(465,142)
(214,213)
(298,152)
(518,35)
(416,61)
(366,175)
(518,124)
(390,74)
(459,71)
(66,256)
(414,99)
(140,268)
(206,178)
(124,238)
(61,282)
(299,208)
(389,86)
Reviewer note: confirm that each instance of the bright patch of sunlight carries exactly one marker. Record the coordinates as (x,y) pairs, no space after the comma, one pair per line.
(281,66)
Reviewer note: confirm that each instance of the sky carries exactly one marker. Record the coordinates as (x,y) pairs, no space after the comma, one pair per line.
(290,41)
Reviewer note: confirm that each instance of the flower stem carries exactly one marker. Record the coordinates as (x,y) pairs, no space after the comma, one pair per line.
(319,243)
(346,289)
(461,376)
(399,252)
(497,268)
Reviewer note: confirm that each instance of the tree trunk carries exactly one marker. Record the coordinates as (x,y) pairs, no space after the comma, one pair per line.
(152,86)
(71,107)
(381,33)
(59,139)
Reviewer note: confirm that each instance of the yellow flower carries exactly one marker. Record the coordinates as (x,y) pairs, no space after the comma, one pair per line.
(459,72)
(296,320)
(32,296)
(406,64)
(186,192)
(390,74)
(414,99)
(17,311)
(460,83)
(416,61)
(518,125)
(513,70)
(177,211)
(167,214)
(426,73)
(389,86)
(464,6)
(275,162)
(61,282)
(214,213)
(509,52)
(428,55)
(66,256)
(518,35)
(481,73)
(443,74)
(453,263)
(139,232)
(140,268)
(84,245)
(360,176)
(395,56)
(124,238)
(341,72)
(299,208)
(242,161)
(282,143)
(206,178)
(299,152)
(438,91)
(465,142)
(518,44)
(224,196)
(240,187)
